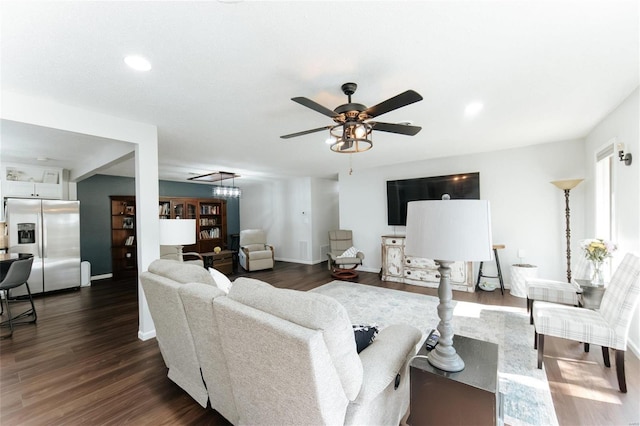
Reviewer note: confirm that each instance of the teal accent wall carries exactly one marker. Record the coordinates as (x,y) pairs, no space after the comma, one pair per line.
(95,213)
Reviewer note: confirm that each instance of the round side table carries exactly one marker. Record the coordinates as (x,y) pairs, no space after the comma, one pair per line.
(519,274)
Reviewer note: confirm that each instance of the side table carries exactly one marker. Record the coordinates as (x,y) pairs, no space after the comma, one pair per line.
(519,274)
(222,261)
(591,294)
(468,397)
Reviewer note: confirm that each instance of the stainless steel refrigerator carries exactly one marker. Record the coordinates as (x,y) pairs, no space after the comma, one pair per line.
(50,230)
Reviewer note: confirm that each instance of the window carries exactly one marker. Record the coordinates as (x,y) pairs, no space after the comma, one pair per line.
(604,193)
(605,197)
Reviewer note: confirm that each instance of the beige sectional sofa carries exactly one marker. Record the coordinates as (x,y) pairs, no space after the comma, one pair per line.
(272,356)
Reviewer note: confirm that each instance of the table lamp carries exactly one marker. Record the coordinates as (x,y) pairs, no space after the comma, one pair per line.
(178,233)
(447,231)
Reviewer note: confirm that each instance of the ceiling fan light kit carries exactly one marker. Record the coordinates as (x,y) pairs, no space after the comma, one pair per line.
(353,131)
(351,137)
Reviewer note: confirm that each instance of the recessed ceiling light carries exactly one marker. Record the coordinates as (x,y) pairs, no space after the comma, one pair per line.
(137,62)
(42,159)
(473,108)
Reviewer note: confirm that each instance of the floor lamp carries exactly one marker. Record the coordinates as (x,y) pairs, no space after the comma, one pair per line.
(567,186)
(447,231)
(178,233)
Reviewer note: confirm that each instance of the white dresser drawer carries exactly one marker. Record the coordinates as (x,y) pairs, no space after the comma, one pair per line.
(422,274)
(392,241)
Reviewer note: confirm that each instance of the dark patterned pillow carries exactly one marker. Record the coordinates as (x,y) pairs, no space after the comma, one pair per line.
(364,335)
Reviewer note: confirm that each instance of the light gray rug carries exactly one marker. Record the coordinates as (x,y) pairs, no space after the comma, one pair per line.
(527,399)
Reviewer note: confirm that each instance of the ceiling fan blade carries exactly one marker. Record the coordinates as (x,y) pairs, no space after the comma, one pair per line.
(398,101)
(314,106)
(402,129)
(306,132)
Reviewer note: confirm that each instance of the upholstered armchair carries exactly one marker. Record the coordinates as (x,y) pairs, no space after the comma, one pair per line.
(255,254)
(342,254)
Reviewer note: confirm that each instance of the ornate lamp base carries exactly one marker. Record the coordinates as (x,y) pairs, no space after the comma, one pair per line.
(444,356)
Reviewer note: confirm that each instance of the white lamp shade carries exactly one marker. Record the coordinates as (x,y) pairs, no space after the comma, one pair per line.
(177,232)
(454,230)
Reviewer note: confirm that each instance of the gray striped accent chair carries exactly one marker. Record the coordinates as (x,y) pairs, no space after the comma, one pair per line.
(607,326)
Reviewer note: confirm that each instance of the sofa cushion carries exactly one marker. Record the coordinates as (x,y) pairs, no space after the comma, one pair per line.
(262,254)
(350,252)
(181,272)
(222,281)
(255,247)
(313,311)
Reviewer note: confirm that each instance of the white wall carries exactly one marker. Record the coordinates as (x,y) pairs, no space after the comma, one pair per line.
(527,211)
(296,214)
(623,125)
(325,212)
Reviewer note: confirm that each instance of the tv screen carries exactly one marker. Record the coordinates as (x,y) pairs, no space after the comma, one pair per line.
(400,192)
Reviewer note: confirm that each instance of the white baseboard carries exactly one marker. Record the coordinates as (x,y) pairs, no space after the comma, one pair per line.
(101,277)
(146,336)
(302,262)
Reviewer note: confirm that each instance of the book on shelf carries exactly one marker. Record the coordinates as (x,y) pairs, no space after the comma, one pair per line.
(129,241)
(163,209)
(207,234)
(207,221)
(209,209)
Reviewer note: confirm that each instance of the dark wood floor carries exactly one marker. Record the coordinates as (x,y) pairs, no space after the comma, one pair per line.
(82,364)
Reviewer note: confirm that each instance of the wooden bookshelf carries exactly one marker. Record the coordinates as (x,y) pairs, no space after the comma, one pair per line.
(210,215)
(123,237)
(211,224)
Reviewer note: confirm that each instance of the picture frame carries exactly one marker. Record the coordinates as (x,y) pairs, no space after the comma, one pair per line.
(50,177)
(130,210)
(127,223)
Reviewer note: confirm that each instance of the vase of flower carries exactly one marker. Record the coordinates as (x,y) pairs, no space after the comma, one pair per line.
(597,277)
(597,250)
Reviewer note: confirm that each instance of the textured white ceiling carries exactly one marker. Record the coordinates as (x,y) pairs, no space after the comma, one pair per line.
(223,75)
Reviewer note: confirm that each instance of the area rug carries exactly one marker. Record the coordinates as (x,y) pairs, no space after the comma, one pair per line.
(527,398)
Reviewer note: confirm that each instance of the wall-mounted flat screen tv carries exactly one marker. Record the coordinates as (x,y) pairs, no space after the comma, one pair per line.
(400,192)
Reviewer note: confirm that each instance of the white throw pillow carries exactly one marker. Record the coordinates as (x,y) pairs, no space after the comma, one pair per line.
(222,282)
(350,252)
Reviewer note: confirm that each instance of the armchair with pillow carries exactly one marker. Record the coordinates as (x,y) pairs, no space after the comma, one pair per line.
(342,254)
(255,254)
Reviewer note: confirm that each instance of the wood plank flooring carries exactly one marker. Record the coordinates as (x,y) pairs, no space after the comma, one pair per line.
(83,364)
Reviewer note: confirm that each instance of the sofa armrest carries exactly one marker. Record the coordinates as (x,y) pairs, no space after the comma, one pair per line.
(383,359)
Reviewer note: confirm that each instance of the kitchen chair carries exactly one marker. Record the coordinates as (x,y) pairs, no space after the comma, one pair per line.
(607,327)
(342,254)
(17,275)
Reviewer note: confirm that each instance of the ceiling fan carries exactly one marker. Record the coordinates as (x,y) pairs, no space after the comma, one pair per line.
(353,126)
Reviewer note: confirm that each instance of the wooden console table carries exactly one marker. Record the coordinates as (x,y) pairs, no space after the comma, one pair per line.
(418,271)
(468,397)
